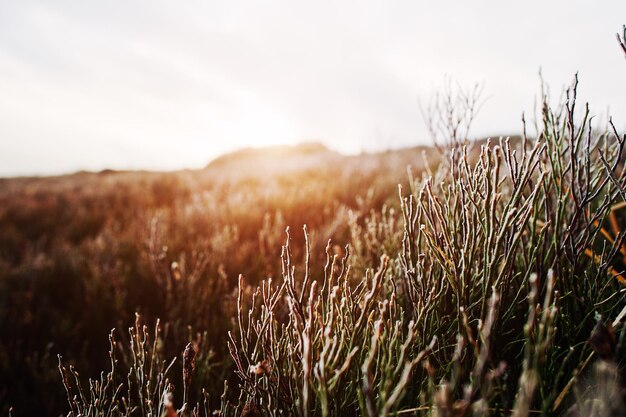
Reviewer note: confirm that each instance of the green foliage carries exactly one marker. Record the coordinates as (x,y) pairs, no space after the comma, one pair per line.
(513,223)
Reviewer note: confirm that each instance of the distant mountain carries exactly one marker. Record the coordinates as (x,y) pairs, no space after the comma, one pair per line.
(273,159)
(270,152)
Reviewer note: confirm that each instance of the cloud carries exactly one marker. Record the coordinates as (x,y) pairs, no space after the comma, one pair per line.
(160,85)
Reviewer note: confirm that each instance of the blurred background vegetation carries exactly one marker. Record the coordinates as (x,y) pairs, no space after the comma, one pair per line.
(80,254)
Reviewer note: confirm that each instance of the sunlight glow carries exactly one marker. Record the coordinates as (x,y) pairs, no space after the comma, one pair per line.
(154,85)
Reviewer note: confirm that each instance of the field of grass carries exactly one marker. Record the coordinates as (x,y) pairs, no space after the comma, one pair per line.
(80,254)
(488,279)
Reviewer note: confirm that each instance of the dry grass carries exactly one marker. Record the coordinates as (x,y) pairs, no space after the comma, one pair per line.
(490,283)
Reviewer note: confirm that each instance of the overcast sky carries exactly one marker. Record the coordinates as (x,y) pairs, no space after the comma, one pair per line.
(167,85)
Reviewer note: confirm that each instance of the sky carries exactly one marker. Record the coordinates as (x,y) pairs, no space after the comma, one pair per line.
(164,85)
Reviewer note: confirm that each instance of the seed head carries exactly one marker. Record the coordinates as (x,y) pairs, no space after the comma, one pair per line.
(189,363)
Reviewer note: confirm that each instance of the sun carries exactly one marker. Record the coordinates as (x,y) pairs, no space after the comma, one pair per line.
(257,124)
